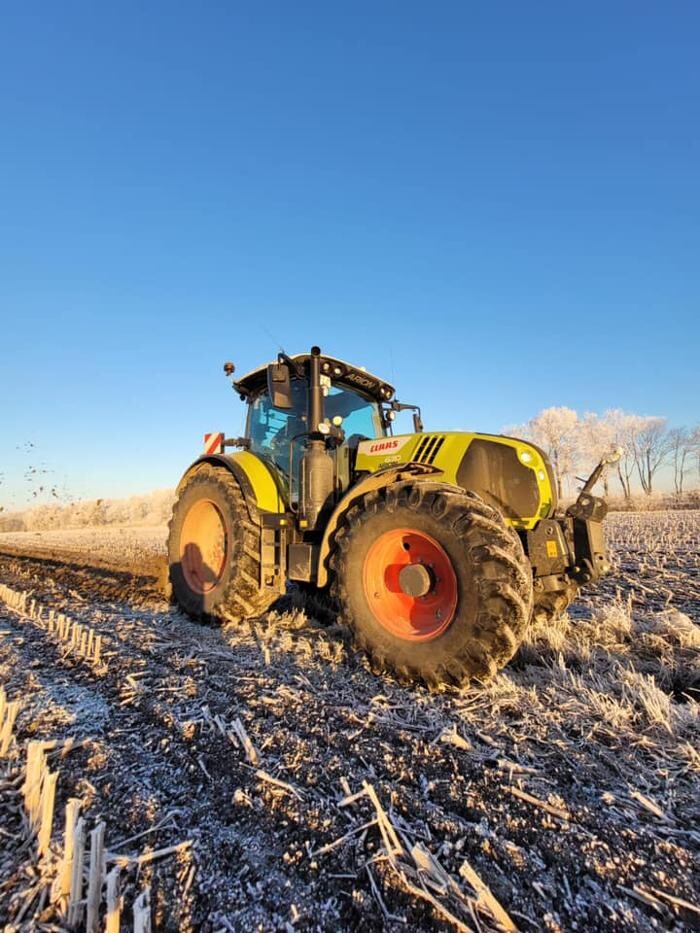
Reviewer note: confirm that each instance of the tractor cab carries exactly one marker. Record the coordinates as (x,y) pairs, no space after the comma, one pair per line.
(270,428)
(355,406)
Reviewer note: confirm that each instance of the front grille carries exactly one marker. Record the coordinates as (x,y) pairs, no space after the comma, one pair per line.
(428,448)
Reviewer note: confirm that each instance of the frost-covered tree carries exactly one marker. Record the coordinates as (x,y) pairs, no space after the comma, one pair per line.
(97,514)
(683,445)
(651,448)
(575,443)
(555,431)
(596,439)
(624,428)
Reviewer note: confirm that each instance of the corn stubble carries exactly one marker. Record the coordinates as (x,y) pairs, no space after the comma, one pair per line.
(563,794)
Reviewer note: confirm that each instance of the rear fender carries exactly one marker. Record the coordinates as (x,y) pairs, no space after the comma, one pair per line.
(257,481)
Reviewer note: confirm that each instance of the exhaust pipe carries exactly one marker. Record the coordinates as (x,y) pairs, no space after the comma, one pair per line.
(317,467)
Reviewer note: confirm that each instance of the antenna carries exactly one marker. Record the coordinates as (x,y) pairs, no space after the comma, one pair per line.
(272,337)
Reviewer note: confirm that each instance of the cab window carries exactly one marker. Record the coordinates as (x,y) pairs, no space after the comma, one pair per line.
(361,416)
(275,432)
(272,430)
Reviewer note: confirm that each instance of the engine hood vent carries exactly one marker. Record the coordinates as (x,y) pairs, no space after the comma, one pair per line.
(428,448)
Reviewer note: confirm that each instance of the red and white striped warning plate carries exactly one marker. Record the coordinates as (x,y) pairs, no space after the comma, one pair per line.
(213,443)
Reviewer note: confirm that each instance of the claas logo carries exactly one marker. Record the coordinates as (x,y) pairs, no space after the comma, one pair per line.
(383,445)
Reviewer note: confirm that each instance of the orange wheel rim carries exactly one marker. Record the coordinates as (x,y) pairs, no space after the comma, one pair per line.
(410,584)
(203,546)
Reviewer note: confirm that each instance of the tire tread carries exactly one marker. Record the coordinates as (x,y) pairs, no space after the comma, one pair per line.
(489,542)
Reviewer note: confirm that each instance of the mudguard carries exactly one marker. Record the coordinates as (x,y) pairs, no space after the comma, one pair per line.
(260,486)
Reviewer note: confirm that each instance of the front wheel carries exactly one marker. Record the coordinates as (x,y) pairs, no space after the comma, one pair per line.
(432,582)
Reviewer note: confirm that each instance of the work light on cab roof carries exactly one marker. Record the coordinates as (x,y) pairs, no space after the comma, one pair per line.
(438,548)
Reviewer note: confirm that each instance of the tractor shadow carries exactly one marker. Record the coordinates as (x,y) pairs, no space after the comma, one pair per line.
(318,606)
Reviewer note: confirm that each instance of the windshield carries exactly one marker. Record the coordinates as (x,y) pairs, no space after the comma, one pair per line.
(273,430)
(361,417)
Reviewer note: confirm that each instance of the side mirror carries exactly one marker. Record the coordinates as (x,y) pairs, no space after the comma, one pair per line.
(279,385)
(417,422)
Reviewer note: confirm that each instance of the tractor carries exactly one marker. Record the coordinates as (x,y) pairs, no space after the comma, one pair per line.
(438,548)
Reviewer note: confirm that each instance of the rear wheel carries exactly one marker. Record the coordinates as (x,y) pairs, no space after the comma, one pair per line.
(432,582)
(214,548)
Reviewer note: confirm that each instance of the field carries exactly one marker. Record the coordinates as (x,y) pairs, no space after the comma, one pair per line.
(302,791)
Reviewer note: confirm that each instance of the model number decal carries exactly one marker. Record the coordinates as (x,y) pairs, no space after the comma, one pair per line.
(361,380)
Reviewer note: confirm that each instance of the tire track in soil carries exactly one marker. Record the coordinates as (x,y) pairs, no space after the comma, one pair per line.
(139,767)
(313,721)
(240,849)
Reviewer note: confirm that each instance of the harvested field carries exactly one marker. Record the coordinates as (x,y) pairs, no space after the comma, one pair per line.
(304,791)
(131,549)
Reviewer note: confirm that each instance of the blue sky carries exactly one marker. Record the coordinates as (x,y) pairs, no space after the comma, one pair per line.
(495,205)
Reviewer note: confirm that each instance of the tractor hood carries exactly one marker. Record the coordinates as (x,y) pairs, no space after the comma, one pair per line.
(513,475)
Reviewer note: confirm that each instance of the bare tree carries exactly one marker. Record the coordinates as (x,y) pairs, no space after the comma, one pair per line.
(623,428)
(683,444)
(596,438)
(578,443)
(98,513)
(651,448)
(678,440)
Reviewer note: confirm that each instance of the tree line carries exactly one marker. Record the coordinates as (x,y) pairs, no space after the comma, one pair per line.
(575,443)
(150,509)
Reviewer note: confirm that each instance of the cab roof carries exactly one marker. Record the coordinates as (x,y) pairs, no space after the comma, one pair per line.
(339,371)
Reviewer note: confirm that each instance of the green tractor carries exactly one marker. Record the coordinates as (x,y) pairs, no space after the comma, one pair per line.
(438,548)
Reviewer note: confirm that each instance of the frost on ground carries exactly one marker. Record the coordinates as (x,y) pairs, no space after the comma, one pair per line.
(569,784)
(121,546)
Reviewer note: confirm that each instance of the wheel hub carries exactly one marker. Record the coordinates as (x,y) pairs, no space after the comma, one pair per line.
(203,546)
(410,584)
(416,580)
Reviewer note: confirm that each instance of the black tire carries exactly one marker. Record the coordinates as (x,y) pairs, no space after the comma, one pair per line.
(233,593)
(494,582)
(551,605)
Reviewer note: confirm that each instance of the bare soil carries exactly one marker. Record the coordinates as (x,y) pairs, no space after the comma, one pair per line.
(570,783)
